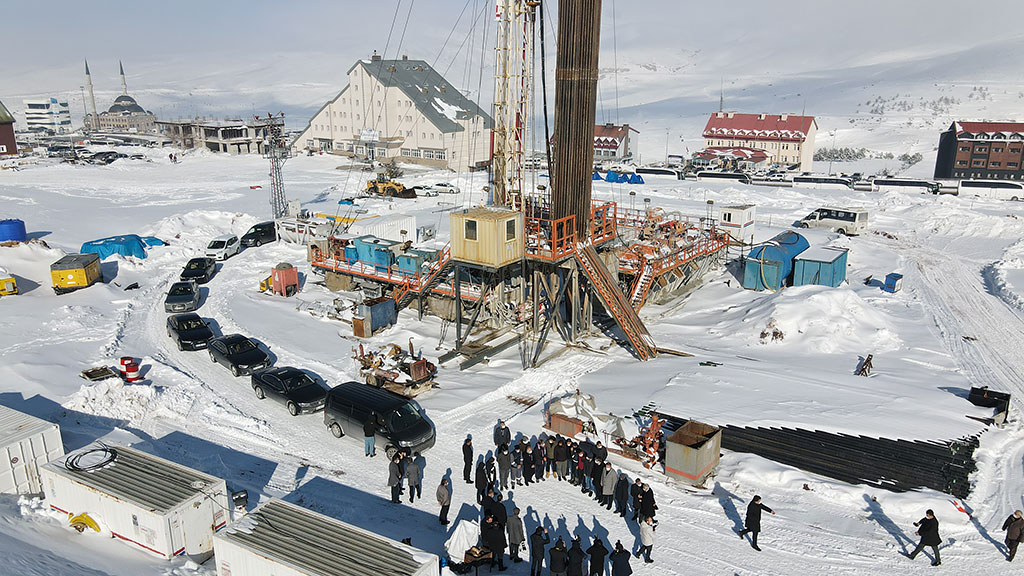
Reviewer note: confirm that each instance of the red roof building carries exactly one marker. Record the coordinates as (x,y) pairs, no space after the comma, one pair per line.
(613,142)
(732,157)
(786,138)
(981,150)
(8,146)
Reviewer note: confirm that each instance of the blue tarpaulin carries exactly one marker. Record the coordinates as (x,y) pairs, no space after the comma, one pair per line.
(622,179)
(611,176)
(597,175)
(126,245)
(636,179)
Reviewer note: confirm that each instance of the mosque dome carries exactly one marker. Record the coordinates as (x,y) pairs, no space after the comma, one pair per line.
(125,103)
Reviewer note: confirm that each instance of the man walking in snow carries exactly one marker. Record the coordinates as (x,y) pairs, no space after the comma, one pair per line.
(635,491)
(1014,528)
(647,504)
(467,460)
(753,523)
(444,499)
(928,530)
(647,540)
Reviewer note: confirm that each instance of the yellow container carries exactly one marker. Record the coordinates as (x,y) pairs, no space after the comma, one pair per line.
(8,286)
(490,237)
(75,271)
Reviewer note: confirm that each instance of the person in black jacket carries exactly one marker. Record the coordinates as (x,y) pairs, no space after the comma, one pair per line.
(597,553)
(481,481)
(492,535)
(539,461)
(621,495)
(558,558)
(601,452)
(528,465)
(370,434)
(928,530)
(538,540)
(467,459)
(502,435)
(561,459)
(753,523)
(647,504)
(1014,528)
(596,472)
(634,491)
(576,559)
(620,561)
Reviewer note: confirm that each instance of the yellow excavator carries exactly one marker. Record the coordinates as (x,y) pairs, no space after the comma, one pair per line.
(385,187)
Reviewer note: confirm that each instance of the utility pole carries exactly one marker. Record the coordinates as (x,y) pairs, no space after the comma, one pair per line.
(276,150)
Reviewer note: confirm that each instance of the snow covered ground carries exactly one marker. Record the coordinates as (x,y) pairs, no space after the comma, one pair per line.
(964,276)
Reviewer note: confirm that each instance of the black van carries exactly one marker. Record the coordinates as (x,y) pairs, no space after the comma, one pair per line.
(404,423)
(260,234)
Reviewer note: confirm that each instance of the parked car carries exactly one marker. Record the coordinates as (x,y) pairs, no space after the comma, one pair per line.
(238,354)
(446,188)
(199,270)
(402,422)
(260,234)
(182,297)
(298,391)
(846,221)
(189,331)
(223,247)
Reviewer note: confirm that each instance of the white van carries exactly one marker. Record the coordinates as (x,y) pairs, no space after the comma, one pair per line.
(222,247)
(848,221)
(998,189)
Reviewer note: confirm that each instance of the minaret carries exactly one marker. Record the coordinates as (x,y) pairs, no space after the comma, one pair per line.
(124,85)
(92,99)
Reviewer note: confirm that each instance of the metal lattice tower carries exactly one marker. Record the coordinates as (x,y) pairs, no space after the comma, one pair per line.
(275,148)
(513,54)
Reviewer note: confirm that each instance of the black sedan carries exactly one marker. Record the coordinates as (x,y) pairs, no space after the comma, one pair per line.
(238,354)
(182,297)
(199,270)
(299,391)
(189,331)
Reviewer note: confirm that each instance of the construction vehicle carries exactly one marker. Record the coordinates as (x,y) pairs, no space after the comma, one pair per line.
(383,186)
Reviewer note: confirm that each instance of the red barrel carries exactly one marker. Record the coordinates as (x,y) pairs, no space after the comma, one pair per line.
(131,372)
(125,360)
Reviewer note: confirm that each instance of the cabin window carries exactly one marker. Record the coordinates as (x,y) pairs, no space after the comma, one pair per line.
(470,229)
(727,217)
(510,230)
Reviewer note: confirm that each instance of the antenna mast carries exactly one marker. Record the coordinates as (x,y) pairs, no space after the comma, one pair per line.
(275,149)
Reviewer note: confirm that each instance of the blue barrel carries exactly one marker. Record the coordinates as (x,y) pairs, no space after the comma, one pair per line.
(768,267)
(12,230)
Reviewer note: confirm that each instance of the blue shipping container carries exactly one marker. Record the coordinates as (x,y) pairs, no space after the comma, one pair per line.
(821,266)
(383,258)
(410,262)
(768,267)
(351,255)
(380,311)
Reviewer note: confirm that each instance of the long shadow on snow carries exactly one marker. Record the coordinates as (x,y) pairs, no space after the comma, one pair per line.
(725,499)
(375,513)
(984,533)
(77,429)
(878,515)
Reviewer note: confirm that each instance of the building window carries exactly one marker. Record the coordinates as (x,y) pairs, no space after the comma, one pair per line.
(961,162)
(995,163)
(978,163)
(406,153)
(1014,150)
(428,154)
(470,229)
(360,150)
(510,230)
(439,155)
(981,149)
(996,150)
(1011,164)
(416,154)
(965,148)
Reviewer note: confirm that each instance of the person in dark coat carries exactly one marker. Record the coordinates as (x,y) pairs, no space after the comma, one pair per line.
(492,535)
(561,460)
(596,472)
(488,502)
(620,561)
(370,434)
(516,535)
(538,540)
(492,473)
(467,460)
(549,456)
(538,462)
(444,499)
(504,460)
(395,478)
(498,510)
(481,481)
(588,468)
(528,465)
(1014,528)
(601,452)
(647,503)
(621,495)
(597,553)
(502,435)
(753,523)
(928,530)
(576,559)
(412,478)
(634,491)
(516,466)
(558,559)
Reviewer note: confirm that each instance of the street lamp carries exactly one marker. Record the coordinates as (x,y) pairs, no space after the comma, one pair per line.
(833,154)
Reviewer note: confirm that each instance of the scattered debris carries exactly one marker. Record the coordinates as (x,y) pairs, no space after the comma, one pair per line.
(771,331)
(99,373)
(527,401)
(396,370)
(969,338)
(710,363)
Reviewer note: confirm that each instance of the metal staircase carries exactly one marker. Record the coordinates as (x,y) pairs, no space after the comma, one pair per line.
(415,286)
(614,301)
(642,285)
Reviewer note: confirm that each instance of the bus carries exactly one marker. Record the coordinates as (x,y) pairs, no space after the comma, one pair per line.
(823,182)
(905,185)
(659,171)
(998,189)
(713,175)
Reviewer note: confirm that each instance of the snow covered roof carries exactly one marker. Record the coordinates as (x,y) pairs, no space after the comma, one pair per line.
(16,426)
(5,115)
(759,126)
(732,152)
(822,253)
(442,103)
(989,129)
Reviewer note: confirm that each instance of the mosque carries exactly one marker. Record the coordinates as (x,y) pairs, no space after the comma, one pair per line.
(124,116)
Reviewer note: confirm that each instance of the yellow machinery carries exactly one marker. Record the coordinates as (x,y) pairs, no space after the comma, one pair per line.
(8,286)
(385,187)
(75,271)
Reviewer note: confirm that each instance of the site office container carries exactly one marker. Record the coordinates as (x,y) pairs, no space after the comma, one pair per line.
(820,265)
(490,237)
(75,271)
(150,503)
(282,539)
(28,443)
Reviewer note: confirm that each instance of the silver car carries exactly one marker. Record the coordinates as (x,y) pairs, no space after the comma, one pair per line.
(182,297)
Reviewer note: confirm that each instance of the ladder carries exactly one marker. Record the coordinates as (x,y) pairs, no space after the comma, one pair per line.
(415,286)
(641,287)
(614,301)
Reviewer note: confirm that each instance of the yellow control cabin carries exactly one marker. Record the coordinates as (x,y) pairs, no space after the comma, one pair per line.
(75,271)
(488,237)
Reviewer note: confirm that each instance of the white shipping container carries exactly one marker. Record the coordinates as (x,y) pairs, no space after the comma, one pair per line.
(28,443)
(282,539)
(150,503)
(389,227)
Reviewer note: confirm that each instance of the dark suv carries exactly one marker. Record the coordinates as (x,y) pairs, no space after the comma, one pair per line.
(260,234)
(403,423)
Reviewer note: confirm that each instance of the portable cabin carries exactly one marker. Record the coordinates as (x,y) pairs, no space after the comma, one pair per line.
(284,539)
(74,272)
(820,265)
(692,452)
(27,443)
(8,285)
(150,503)
(737,221)
(768,267)
(410,262)
(488,237)
(394,227)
